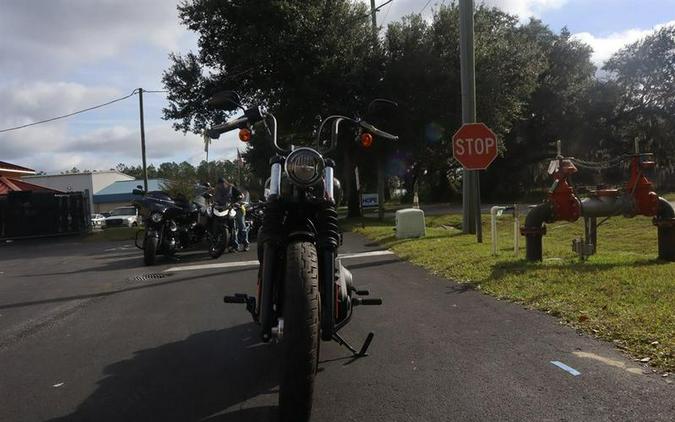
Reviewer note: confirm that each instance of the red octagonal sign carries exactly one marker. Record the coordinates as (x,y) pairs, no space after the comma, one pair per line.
(474,145)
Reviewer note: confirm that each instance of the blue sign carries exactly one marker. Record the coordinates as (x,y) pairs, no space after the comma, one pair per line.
(369,200)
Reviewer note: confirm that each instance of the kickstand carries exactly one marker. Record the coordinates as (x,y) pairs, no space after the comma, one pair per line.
(364,348)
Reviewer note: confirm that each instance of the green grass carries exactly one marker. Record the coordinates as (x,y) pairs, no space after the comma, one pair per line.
(112,234)
(621,294)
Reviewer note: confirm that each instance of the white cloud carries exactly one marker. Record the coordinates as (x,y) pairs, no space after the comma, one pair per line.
(102,149)
(47,37)
(55,146)
(27,102)
(525,8)
(522,8)
(605,46)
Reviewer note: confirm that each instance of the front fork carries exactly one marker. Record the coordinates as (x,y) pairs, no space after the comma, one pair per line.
(328,241)
(270,237)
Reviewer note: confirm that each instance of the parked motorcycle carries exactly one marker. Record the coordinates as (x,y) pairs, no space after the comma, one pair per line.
(304,293)
(219,227)
(173,224)
(254,218)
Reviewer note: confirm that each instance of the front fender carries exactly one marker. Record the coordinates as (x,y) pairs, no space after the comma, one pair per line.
(301,236)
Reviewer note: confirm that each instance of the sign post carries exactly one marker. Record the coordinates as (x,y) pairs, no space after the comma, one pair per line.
(474,145)
(470,187)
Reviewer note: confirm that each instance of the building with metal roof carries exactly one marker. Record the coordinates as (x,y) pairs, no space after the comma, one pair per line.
(120,193)
(90,183)
(13,170)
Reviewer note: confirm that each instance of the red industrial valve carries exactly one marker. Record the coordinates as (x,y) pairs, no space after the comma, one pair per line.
(640,188)
(565,204)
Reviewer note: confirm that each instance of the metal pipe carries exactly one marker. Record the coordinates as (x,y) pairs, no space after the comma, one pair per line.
(516,229)
(534,230)
(665,210)
(607,206)
(665,223)
(493,227)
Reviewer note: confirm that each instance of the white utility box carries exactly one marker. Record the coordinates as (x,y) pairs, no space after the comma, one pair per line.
(410,223)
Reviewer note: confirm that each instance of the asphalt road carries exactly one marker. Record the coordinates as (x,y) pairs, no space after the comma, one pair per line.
(82,340)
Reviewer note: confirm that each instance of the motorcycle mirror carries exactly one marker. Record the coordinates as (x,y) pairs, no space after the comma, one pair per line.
(224,100)
(137,191)
(381,104)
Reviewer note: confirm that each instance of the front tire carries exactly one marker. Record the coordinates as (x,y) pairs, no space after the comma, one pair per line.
(218,241)
(300,340)
(150,244)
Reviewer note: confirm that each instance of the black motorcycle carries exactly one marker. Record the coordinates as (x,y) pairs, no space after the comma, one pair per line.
(304,294)
(173,224)
(254,218)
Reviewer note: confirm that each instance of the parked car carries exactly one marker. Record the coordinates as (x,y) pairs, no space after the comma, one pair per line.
(97,221)
(123,217)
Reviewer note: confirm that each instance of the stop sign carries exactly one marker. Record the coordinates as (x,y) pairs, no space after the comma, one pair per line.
(474,145)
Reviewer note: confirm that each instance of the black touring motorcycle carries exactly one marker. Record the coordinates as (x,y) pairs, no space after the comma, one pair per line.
(173,224)
(304,294)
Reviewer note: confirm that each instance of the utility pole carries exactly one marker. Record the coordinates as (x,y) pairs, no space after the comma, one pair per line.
(373,17)
(145,168)
(471,219)
(378,150)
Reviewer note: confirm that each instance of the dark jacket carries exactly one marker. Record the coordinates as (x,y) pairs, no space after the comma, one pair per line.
(226,195)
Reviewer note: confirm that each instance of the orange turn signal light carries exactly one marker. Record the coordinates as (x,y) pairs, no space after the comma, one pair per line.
(245,134)
(366,140)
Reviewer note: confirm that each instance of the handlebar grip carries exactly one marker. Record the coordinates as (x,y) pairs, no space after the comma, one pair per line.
(215,130)
(377,132)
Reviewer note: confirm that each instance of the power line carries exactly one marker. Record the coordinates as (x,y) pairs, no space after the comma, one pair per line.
(384,18)
(377,9)
(425,6)
(134,92)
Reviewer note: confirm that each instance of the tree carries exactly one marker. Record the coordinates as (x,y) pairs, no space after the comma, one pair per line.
(644,74)
(422,73)
(298,58)
(556,110)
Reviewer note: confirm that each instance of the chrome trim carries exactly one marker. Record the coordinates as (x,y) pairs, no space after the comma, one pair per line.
(278,331)
(275,181)
(328,183)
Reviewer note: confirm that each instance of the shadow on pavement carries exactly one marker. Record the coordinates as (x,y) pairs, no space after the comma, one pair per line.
(134,260)
(200,378)
(369,264)
(168,281)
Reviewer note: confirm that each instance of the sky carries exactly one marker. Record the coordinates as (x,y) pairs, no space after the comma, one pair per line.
(59,56)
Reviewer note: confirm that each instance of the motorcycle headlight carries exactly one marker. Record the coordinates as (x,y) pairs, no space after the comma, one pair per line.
(304,166)
(156,217)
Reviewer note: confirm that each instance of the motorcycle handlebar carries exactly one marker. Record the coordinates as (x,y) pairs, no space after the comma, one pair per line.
(377,132)
(216,130)
(251,116)
(335,129)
